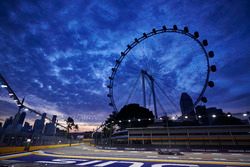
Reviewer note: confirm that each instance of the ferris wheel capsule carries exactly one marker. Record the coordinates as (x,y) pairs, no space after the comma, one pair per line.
(196,34)
(186,29)
(211,54)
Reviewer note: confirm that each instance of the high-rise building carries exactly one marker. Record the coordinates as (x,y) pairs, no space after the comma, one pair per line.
(54,119)
(21,118)
(50,128)
(7,122)
(187,105)
(39,124)
(27,127)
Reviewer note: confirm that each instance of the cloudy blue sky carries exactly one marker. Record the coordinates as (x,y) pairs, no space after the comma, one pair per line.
(59,54)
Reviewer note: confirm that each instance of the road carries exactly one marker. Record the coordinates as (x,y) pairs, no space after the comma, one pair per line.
(84,155)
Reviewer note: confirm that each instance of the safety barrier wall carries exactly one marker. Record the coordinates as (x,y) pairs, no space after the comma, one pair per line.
(12,149)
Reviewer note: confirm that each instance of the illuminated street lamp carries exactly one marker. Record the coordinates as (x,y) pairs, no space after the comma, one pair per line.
(26,109)
(120,121)
(139,120)
(149,119)
(244,115)
(4,86)
(129,120)
(160,118)
(199,116)
(173,118)
(229,115)
(214,116)
(186,117)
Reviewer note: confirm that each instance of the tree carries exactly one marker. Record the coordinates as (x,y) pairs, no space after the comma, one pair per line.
(71,125)
(133,115)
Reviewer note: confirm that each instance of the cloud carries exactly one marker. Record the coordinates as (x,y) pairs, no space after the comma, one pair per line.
(59,55)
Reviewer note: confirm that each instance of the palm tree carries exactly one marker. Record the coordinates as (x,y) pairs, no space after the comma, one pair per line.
(71,125)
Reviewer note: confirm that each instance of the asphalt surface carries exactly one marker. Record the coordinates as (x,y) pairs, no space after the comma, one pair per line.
(84,155)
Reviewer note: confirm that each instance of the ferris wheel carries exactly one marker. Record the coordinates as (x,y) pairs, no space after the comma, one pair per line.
(156,68)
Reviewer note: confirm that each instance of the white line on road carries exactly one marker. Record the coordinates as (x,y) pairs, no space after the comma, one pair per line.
(219,159)
(88,163)
(148,152)
(120,151)
(106,163)
(173,157)
(194,158)
(152,156)
(245,160)
(216,153)
(197,153)
(237,154)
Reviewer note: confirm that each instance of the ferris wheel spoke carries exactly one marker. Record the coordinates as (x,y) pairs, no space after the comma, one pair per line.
(167,101)
(132,89)
(166,95)
(171,89)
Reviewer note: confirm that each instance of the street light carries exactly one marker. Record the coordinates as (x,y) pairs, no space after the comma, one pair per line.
(139,120)
(229,115)
(199,116)
(244,115)
(4,86)
(129,120)
(186,117)
(214,116)
(26,109)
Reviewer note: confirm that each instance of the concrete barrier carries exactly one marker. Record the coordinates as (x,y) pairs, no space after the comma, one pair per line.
(11,149)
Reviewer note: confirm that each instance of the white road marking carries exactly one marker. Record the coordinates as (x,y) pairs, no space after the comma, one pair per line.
(152,156)
(134,164)
(173,157)
(216,153)
(197,153)
(148,152)
(120,151)
(219,159)
(88,163)
(245,160)
(194,158)
(167,164)
(134,151)
(106,151)
(106,163)
(237,154)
